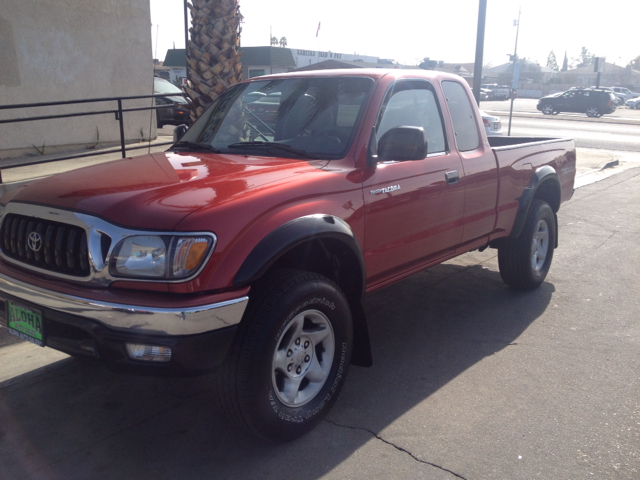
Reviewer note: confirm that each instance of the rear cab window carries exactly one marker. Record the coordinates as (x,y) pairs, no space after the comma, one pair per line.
(465,126)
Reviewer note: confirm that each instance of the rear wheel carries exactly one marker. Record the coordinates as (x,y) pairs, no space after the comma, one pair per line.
(525,261)
(593,112)
(290,356)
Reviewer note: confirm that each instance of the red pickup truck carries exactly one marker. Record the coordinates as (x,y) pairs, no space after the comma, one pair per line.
(250,244)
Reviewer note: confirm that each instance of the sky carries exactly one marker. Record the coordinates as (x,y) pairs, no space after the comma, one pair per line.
(409,30)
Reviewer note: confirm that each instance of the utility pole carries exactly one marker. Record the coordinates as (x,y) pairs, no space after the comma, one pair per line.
(516,72)
(477,68)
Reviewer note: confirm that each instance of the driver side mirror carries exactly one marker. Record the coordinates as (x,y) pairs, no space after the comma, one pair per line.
(178,132)
(398,143)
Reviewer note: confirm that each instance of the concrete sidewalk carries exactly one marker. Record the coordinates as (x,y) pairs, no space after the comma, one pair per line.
(16,171)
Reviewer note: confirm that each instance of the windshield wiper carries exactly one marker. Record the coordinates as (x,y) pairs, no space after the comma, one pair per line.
(196,145)
(281,146)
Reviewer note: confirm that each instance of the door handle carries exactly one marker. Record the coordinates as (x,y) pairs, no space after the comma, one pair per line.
(452,177)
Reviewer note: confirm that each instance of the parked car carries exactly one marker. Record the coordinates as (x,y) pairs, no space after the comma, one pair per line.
(633,103)
(177,110)
(492,124)
(624,93)
(485,93)
(249,251)
(263,107)
(497,92)
(595,102)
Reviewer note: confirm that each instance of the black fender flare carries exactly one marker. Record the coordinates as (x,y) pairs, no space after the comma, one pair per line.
(290,235)
(542,175)
(295,232)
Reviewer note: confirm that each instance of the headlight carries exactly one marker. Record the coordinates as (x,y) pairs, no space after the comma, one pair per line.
(160,257)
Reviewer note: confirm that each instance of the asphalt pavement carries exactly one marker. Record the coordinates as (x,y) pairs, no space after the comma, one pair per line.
(470,379)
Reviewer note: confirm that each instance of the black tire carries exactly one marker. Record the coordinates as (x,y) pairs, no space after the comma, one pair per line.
(525,261)
(548,109)
(593,112)
(282,330)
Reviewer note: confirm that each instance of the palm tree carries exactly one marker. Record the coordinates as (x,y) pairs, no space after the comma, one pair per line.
(283,42)
(212,51)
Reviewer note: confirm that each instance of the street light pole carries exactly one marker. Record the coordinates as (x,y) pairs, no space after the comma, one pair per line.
(515,75)
(477,69)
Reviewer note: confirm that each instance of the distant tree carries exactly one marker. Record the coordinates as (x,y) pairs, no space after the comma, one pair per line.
(283,42)
(428,64)
(585,58)
(531,65)
(274,41)
(635,63)
(552,63)
(565,62)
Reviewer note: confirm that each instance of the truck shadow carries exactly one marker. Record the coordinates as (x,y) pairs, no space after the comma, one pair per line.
(82,421)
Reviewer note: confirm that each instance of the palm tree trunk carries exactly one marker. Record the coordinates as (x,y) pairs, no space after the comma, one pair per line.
(212,52)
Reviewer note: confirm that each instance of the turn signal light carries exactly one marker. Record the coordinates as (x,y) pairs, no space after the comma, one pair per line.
(148,353)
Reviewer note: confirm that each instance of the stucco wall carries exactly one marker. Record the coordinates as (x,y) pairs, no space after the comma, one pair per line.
(53,50)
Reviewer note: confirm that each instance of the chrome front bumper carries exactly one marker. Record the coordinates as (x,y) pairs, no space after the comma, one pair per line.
(132,318)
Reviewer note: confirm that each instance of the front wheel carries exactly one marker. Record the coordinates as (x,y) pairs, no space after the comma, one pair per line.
(547,109)
(290,356)
(525,261)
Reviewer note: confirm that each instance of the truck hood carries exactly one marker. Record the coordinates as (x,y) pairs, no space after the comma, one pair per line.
(157,191)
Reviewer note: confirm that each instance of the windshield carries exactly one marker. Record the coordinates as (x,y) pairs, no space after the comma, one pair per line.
(162,86)
(316,117)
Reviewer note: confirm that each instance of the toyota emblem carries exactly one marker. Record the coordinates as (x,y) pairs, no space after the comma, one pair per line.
(35,241)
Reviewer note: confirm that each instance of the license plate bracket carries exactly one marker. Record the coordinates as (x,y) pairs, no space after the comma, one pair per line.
(25,322)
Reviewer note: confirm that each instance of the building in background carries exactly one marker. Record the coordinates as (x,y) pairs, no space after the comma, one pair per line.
(612,76)
(304,58)
(257,61)
(176,64)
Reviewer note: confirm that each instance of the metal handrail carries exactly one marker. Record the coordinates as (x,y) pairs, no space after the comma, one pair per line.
(118,114)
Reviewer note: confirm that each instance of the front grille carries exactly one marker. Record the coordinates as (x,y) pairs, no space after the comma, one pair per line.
(53,246)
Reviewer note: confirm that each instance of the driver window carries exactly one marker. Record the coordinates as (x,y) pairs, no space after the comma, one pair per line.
(413,104)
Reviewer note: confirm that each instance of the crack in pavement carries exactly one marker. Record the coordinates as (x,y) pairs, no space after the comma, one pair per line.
(403,450)
(606,240)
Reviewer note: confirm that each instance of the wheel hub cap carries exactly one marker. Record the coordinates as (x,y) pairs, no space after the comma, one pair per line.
(539,245)
(303,358)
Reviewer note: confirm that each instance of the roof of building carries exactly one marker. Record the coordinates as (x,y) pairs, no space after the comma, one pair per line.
(334,64)
(525,67)
(608,68)
(175,57)
(274,56)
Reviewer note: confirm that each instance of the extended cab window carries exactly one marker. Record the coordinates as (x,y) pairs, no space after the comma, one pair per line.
(464,123)
(413,103)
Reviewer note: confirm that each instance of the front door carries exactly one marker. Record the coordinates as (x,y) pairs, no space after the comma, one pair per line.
(413,209)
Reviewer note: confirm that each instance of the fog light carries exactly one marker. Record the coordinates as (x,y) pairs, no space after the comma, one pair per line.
(148,353)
